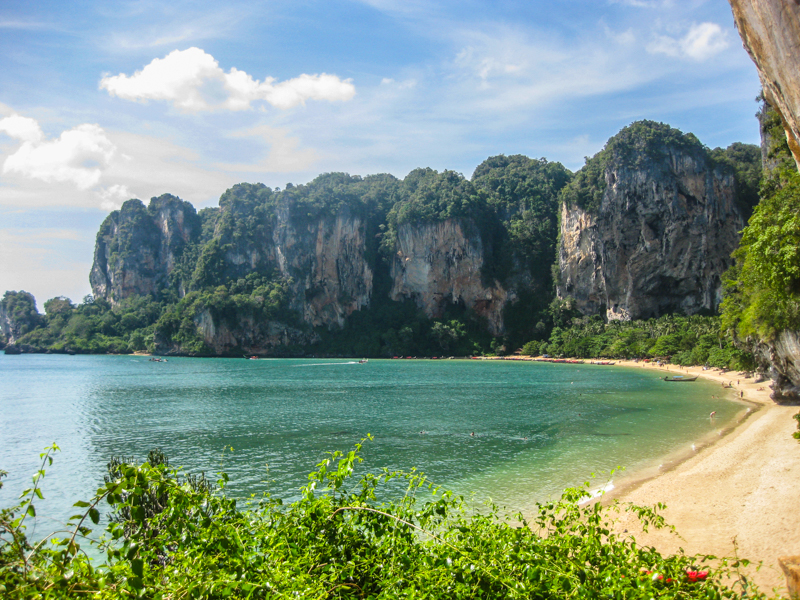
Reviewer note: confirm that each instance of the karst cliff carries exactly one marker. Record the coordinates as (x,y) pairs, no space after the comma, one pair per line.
(648,227)
(770,32)
(645,229)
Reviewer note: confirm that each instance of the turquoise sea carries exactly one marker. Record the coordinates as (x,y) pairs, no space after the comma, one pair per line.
(537,427)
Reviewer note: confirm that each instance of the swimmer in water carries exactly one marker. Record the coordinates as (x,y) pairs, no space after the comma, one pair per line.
(711,416)
(472,434)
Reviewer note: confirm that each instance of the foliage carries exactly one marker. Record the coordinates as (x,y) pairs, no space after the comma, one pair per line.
(523,195)
(343,539)
(745,162)
(94,326)
(762,289)
(640,145)
(390,328)
(18,309)
(255,299)
(695,340)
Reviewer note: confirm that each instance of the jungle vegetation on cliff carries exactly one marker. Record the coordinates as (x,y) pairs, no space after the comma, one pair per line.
(166,276)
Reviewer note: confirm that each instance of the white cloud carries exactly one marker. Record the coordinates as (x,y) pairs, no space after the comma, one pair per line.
(701,42)
(78,156)
(112,197)
(22,128)
(285,155)
(513,70)
(193,81)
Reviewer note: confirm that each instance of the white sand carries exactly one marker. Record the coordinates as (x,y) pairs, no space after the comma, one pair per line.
(745,487)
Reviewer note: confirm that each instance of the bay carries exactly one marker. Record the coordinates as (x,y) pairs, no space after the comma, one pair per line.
(516,432)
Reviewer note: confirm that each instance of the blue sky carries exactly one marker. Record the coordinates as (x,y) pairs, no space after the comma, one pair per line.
(105,101)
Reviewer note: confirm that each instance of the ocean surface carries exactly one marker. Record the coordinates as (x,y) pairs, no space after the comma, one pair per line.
(537,427)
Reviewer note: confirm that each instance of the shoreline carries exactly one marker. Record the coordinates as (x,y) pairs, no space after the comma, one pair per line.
(736,494)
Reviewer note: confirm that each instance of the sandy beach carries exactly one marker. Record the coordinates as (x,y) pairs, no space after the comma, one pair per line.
(742,489)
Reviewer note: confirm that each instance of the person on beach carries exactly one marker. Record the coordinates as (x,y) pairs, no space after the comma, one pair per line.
(711,416)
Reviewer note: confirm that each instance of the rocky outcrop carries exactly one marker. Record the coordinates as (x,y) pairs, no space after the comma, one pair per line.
(326,261)
(440,263)
(248,336)
(661,234)
(781,358)
(18,316)
(137,248)
(770,31)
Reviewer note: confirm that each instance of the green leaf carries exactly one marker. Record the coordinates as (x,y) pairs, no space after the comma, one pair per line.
(31,511)
(136,583)
(137,566)
(94,515)
(81,504)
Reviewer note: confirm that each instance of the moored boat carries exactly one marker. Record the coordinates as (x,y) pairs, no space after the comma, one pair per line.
(679,378)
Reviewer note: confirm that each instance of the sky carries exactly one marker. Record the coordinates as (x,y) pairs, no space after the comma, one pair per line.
(105,101)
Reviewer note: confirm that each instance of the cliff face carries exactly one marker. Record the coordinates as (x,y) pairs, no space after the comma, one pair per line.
(658,236)
(326,261)
(18,316)
(770,31)
(137,247)
(248,336)
(782,359)
(438,263)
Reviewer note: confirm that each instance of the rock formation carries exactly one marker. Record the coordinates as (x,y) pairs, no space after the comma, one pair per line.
(440,263)
(770,31)
(18,316)
(137,248)
(248,336)
(651,230)
(327,264)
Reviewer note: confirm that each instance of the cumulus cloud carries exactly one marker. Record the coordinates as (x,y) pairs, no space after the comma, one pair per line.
(22,128)
(112,197)
(702,41)
(78,156)
(193,81)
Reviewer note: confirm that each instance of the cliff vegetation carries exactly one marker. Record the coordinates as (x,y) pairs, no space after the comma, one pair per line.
(434,264)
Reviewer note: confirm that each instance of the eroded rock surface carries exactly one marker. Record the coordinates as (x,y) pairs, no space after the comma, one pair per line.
(440,263)
(770,31)
(137,247)
(659,239)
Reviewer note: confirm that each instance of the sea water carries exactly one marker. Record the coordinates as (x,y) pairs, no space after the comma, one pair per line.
(515,432)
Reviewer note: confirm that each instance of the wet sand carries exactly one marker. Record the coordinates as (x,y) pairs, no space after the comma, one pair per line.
(738,495)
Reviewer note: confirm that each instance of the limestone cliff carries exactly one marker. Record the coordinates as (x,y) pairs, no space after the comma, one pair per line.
(327,264)
(770,31)
(440,263)
(137,248)
(647,227)
(781,357)
(247,336)
(18,316)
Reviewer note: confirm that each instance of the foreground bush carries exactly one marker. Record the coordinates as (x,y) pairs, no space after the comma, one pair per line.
(172,538)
